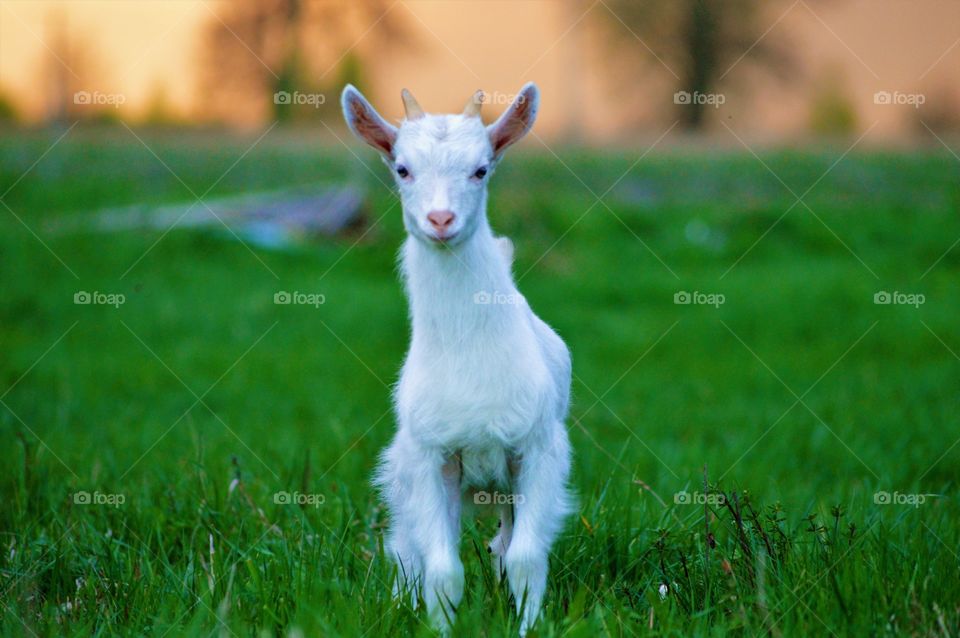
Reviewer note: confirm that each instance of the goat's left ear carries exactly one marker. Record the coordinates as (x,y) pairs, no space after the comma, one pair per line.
(516,121)
(366,123)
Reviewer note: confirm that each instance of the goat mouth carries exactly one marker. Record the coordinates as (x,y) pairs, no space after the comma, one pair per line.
(445,239)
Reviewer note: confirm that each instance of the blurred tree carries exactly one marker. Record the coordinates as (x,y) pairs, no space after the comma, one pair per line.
(8,112)
(70,67)
(699,40)
(159,111)
(832,110)
(256,52)
(59,72)
(940,113)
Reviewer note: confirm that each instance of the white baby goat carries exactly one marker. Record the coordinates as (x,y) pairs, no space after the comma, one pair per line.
(484,391)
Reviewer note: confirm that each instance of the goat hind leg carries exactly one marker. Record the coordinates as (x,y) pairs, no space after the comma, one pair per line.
(501,542)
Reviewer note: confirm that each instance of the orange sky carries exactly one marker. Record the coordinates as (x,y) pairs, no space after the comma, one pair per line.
(140,46)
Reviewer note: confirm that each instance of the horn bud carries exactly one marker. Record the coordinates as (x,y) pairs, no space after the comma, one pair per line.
(410,106)
(472,108)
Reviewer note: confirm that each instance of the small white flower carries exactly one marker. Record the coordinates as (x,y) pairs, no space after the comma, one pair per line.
(664,590)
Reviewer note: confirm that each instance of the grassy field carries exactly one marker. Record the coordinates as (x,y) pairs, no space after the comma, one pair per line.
(783,463)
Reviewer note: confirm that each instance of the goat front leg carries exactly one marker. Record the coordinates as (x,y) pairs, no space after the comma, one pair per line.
(393,477)
(436,499)
(541,502)
(400,547)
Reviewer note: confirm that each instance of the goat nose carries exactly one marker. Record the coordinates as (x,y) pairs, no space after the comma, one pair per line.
(440,219)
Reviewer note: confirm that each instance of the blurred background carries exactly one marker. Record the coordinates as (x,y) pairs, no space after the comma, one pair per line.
(608,69)
(743,217)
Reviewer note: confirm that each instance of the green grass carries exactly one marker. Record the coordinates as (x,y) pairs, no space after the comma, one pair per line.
(799,395)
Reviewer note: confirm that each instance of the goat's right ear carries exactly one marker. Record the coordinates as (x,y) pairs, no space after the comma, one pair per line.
(366,123)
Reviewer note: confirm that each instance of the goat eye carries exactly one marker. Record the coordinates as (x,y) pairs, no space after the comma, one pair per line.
(481,172)
(403,172)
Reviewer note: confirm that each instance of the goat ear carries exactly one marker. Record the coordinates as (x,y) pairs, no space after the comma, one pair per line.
(366,123)
(516,121)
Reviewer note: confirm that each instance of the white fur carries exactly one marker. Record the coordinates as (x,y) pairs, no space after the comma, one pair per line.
(484,390)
